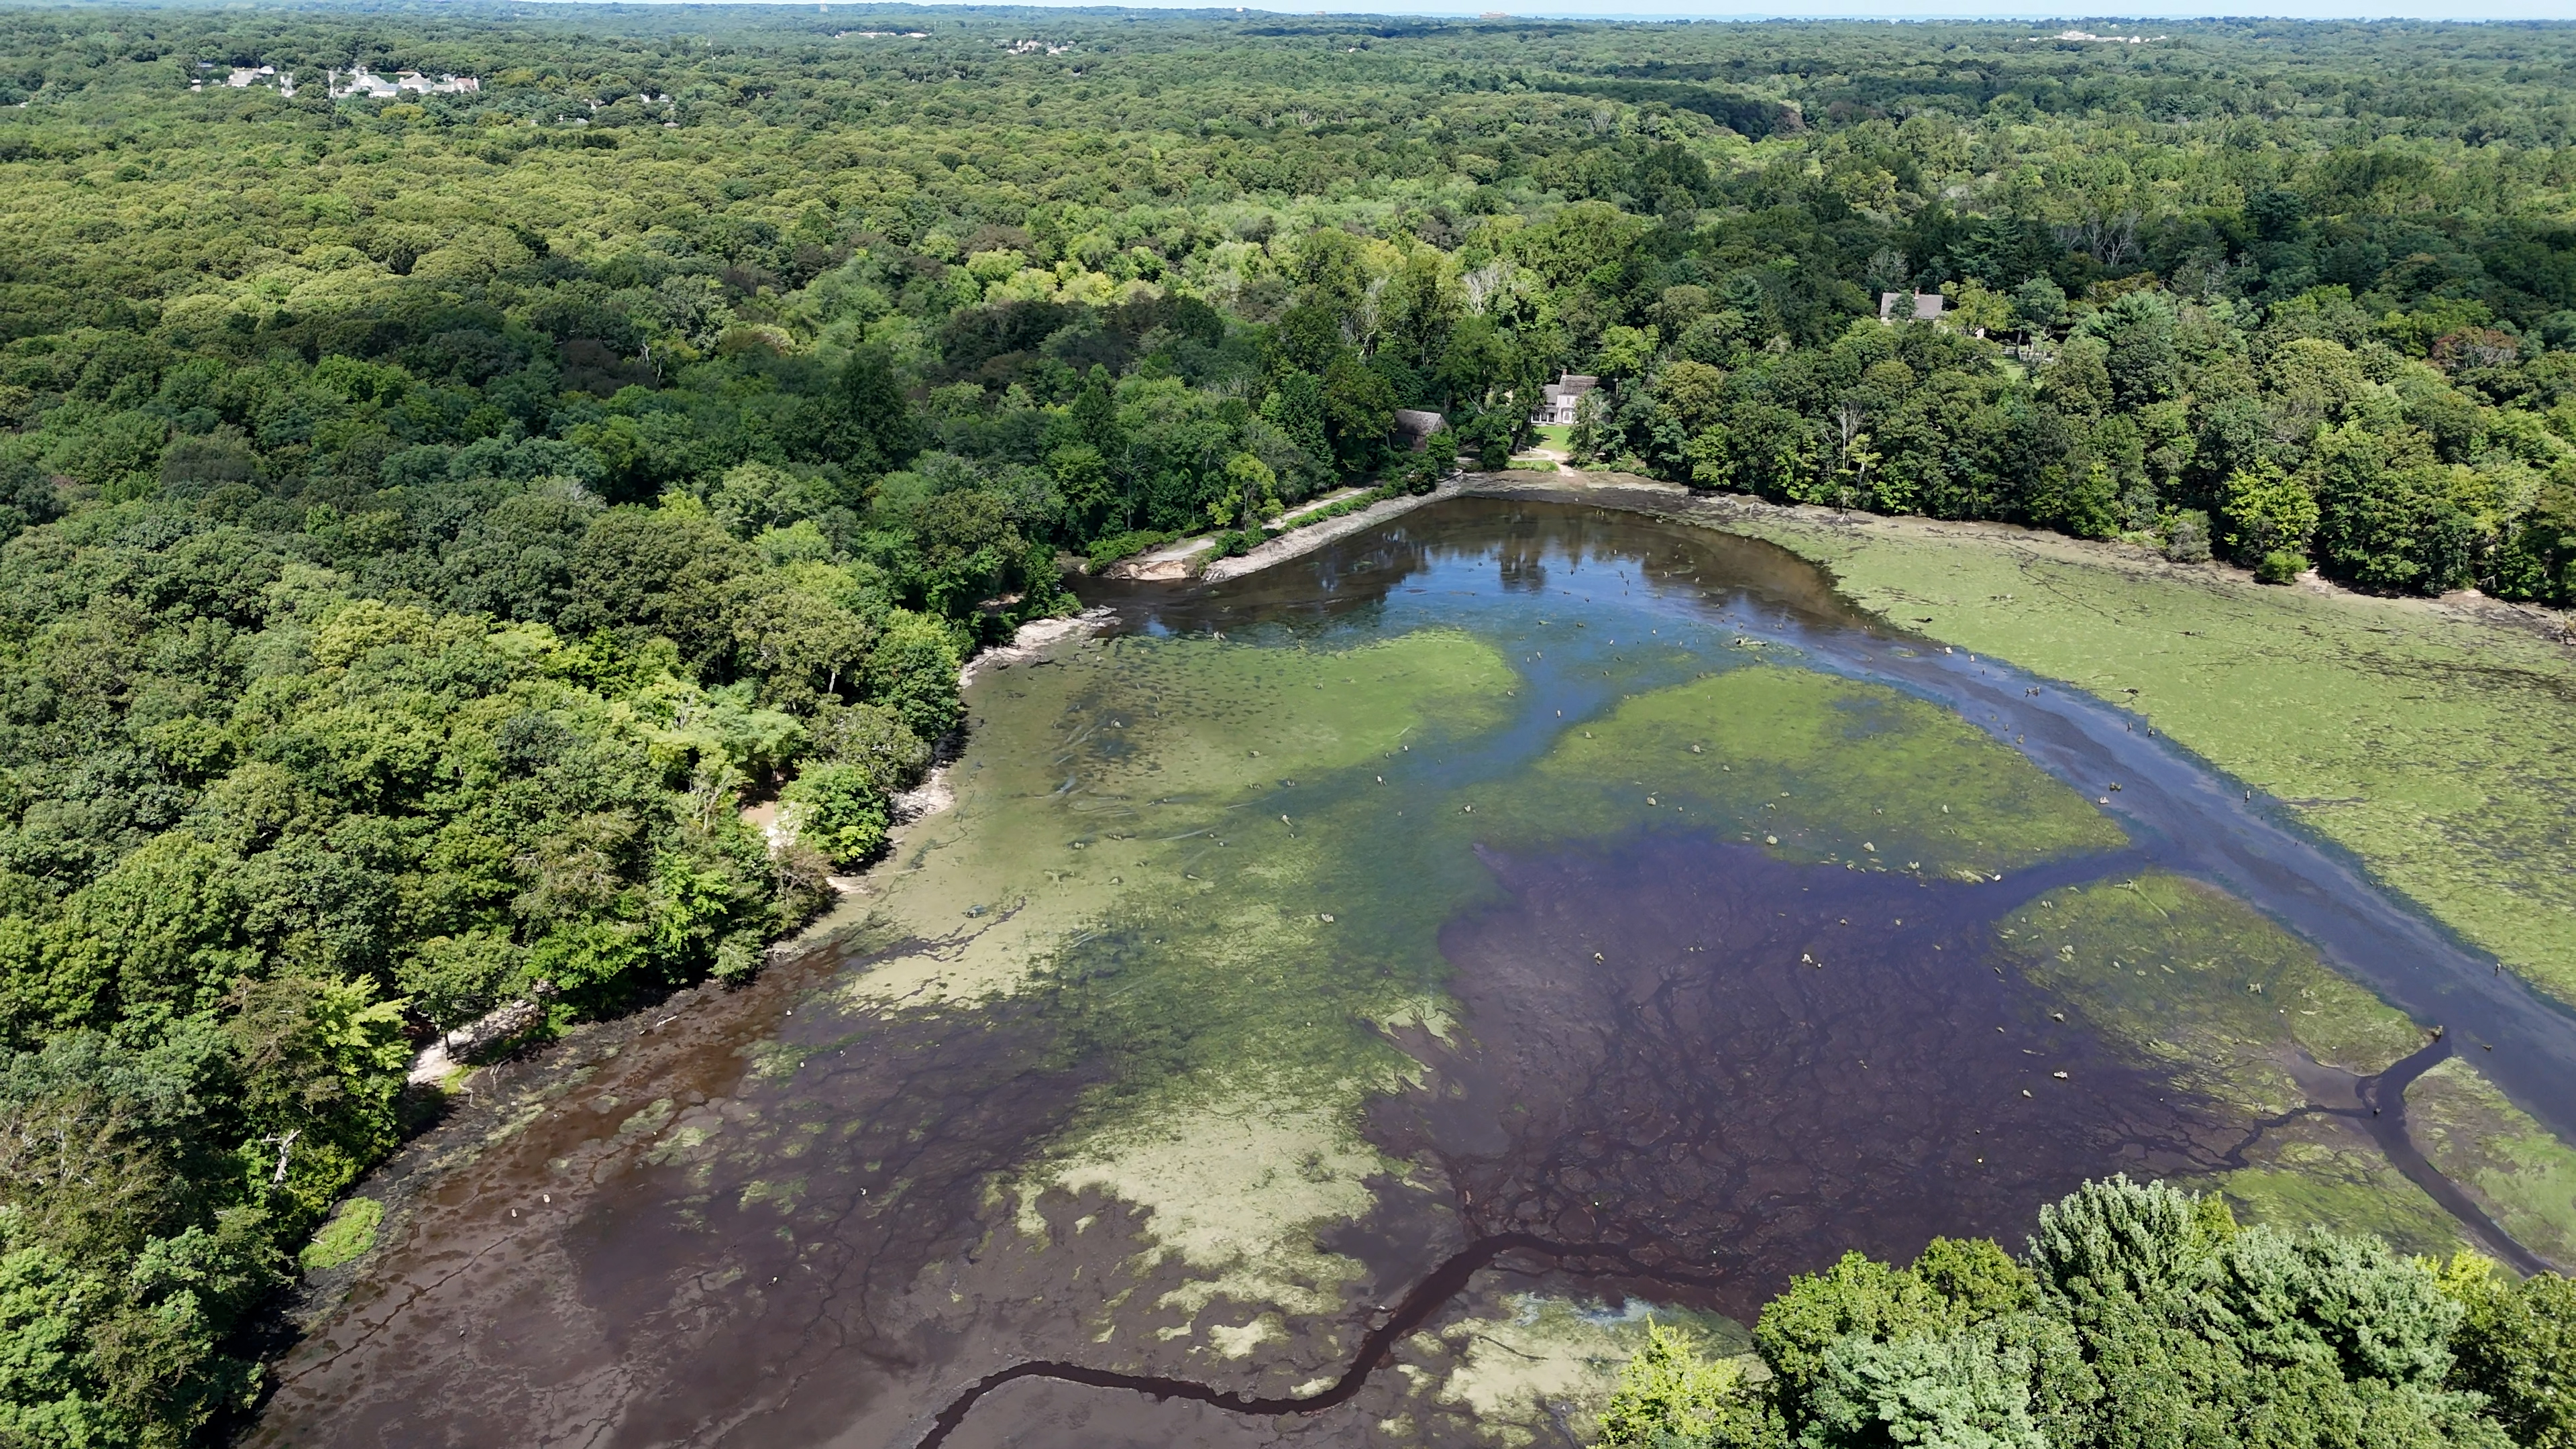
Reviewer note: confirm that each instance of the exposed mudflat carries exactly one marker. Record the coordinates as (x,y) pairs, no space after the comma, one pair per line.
(1734,1068)
(1345,1004)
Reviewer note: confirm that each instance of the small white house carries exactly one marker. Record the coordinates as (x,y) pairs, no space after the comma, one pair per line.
(1558,399)
(1894,307)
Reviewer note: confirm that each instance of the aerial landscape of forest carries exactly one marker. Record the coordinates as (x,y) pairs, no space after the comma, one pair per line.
(856,724)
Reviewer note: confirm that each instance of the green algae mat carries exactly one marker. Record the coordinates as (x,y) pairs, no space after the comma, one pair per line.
(1378,990)
(2436,741)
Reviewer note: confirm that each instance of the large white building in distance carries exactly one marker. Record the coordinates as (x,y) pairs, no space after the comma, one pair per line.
(356,81)
(360,81)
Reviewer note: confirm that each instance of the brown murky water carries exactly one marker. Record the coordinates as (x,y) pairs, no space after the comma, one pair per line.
(1682,1068)
(1762,1068)
(1733,1067)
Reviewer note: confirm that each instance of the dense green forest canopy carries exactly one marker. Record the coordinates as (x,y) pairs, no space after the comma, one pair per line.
(432,517)
(2137,1314)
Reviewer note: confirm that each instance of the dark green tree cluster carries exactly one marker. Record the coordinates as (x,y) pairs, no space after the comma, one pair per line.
(2140,1315)
(284,805)
(2416,450)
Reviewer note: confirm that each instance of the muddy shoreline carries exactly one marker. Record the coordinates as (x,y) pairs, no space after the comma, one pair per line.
(1653,498)
(776,1222)
(2218,829)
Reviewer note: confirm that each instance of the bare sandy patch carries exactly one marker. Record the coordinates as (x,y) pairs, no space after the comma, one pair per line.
(1233,1189)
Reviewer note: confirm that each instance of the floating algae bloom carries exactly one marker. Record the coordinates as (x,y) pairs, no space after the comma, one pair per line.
(1407,940)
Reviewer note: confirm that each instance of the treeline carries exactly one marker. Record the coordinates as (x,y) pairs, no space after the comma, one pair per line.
(297,784)
(2404,443)
(2139,1315)
(431,522)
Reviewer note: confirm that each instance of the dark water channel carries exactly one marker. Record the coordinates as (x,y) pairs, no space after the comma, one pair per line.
(1701,1114)
(2186,815)
(1714,1111)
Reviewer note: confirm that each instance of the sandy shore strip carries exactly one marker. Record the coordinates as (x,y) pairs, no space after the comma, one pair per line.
(1308,539)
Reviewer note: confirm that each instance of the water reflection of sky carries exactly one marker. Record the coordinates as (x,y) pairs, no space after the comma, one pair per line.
(1496,569)
(1582,620)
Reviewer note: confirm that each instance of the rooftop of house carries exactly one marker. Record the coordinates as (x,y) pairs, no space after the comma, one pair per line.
(1415,426)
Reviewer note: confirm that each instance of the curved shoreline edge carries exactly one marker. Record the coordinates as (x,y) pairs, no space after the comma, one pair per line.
(2380,1110)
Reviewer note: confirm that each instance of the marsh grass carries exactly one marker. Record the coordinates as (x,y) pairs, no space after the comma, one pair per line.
(2190,977)
(2438,745)
(349,1235)
(2196,980)
(2319,1180)
(2524,1177)
(1830,769)
(1098,786)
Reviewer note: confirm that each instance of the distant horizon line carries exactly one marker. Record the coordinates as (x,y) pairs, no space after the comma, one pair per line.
(1928,12)
(2548,12)
(2185,12)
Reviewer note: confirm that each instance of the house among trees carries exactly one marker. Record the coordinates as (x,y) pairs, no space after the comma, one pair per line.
(241,76)
(1558,399)
(1927,307)
(1414,427)
(363,82)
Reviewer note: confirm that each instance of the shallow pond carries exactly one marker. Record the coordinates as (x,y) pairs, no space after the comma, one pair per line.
(1350,1001)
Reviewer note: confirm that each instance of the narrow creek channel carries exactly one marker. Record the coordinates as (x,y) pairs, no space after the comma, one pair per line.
(1426,1298)
(781,1226)
(2187,816)
(2192,818)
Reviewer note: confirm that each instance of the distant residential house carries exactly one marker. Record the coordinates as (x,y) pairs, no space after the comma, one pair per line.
(364,82)
(1893,307)
(1558,399)
(242,77)
(1414,427)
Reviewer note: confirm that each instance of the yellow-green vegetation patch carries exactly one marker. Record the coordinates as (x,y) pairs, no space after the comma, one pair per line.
(2347,1189)
(649,1121)
(2190,979)
(681,1144)
(1233,1190)
(2435,742)
(349,1234)
(2522,1175)
(1240,1339)
(2196,981)
(779,1194)
(1216,719)
(1814,767)
(1178,850)
(1547,1363)
(1107,773)
(1277,948)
